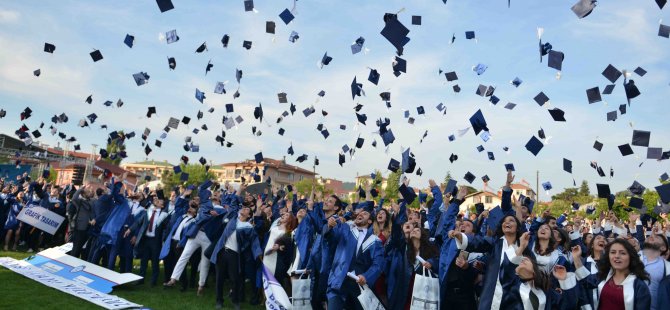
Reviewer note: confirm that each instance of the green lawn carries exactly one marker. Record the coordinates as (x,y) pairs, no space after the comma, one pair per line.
(19,292)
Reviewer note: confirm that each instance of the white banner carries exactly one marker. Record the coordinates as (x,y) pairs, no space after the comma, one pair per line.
(275,296)
(64,285)
(41,219)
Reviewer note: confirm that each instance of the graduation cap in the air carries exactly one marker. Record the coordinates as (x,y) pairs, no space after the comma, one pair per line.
(393,165)
(541,99)
(259,157)
(37,72)
(469,177)
(478,122)
(286,16)
(547,186)
(141,78)
(557,114)
(374,76)
(49,48)
(534,145)
(399,65)
(641,138)
(664,31)
(408,161)
(395,32)
(611,73)
(356,89)
(325,60)
(603,190)
(631,90)
(625,149)
(583,8)
(593,95)
(199,95)
(96,55)
(128,41)
(247,44)
(567,165)
(301,158)
(358,45)
(636,188)
(555,60)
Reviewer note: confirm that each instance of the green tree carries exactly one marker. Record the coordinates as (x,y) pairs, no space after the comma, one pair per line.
(568,194)
(115,146)
(304,187)
(447,177)
(196,175)
(584,189)
(391,189)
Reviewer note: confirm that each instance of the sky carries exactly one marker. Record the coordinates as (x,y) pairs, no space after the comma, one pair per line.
(618,32)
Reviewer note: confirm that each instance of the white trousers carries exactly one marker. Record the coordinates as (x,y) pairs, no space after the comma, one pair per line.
(200,241)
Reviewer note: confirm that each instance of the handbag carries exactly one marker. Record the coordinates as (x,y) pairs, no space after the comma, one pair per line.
(301,293)
(426,291)
(368,299)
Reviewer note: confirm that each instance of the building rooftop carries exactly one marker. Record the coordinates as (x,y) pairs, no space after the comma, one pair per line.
(151,163)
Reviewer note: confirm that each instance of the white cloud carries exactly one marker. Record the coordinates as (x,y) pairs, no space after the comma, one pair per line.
(9,16)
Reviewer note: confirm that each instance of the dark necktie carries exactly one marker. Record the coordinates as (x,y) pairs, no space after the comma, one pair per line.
(534,300)
(151,221)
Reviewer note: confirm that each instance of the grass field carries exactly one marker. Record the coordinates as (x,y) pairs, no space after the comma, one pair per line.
(19,292)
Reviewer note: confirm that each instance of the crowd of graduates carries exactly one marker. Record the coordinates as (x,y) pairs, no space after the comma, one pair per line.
(514,259)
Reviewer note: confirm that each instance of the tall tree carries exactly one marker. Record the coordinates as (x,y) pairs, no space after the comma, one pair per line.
(391,189)
(584,189)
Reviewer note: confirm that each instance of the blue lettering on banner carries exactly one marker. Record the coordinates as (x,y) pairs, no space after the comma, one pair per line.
(33,214)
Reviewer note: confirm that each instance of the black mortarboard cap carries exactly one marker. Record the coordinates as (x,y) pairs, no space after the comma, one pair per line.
(176,169)
(396,33)
(486,178)
(325,133)
(478,122)
(593,95)
(636,188)
(394,165)
(603,190)
(541,98)
(129,40)
(341,159)
(453,158)
(141,78)
(286,16)
(49,48)
(301,158)
(248,5)
(557,114)
(399,65)
(567,165)
(451,76)
(165,5)
(270,27)
(356,89)
(359,142)
(631,90)
(480,148)
(457,89)
(96,55)
(608,89)
(469,177)
(407,193)
(374,76)
(259,157)
(639,71)
(555,59)
(663,31)
(612,116)
(664,177)
(664,192)
(416,20)
(625,149)
(509,167)
(103,153)
(611,73)
(491,156)
(636,202)
(246,44)
(641,138)
(282,98)
(469,35)
(36,134)
(534,145)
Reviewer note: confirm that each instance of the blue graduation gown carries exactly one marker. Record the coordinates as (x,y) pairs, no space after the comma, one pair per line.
(369,261)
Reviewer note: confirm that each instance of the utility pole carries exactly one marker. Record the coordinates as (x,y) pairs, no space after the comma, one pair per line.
(537,184)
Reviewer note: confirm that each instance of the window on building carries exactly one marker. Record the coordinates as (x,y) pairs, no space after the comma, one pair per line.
(290,176)
(488,199)
(301,177)
(238,173)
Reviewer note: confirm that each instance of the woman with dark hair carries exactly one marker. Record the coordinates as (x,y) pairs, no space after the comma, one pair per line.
(504,251)
(544,249)
(533,289)
(621,278)
(420,253)
(382,225)
(279,250)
